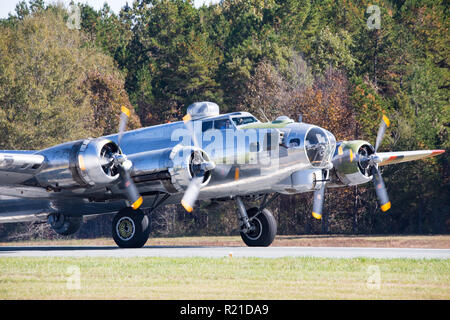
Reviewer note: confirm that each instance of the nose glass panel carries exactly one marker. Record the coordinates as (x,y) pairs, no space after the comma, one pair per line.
(318,147)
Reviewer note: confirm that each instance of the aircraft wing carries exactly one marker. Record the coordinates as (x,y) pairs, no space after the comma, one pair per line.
(18,166)
(386,158)
(23,159)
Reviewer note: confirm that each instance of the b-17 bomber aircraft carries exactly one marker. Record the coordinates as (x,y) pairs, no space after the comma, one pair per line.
(207,156)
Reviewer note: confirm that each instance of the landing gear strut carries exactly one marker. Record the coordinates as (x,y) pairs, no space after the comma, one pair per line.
(257,225)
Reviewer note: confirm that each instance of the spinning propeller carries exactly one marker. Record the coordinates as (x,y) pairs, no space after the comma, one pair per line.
(198,168)
(114,162)
(124,166)
(369,163)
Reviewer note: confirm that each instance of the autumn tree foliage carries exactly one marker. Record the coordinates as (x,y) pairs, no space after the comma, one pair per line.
(106,92)
(316,58)
(321,100)
(59,89)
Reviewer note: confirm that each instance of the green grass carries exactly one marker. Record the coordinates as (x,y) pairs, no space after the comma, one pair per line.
(224,278)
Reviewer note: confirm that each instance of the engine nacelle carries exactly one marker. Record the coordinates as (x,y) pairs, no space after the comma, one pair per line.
(183,168)
(178,162)
(90,157)
(78,164)
(351,172)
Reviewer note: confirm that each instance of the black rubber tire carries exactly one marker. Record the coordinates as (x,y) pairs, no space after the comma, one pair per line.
(66,225)
(139,225)
(266,228)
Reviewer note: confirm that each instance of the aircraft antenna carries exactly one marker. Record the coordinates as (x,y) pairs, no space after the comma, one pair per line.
(262,112)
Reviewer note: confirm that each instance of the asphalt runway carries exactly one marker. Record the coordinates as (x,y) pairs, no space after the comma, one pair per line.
(220,252)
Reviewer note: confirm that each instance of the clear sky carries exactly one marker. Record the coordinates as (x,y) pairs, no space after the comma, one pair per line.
(7,6)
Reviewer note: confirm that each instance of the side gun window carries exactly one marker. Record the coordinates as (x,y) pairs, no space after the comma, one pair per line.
(207,126)
(294,143)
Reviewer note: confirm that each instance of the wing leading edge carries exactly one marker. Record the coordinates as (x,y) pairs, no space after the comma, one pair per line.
(11,160)
(17,167)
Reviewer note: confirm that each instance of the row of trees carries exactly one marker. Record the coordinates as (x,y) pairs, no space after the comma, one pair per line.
(328,60)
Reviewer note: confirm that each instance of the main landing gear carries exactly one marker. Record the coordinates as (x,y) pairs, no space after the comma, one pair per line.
(131,228)
(257,225)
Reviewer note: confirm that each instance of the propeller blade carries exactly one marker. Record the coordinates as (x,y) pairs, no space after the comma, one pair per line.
(124,166)
(130,189)
(385,123)
(193,190)
(191,194)
(380,189)
(189,125)
(318,202)
(124,116)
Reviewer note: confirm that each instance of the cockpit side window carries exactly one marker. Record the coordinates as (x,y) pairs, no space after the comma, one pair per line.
(223,124)
(207,125)
(239,121)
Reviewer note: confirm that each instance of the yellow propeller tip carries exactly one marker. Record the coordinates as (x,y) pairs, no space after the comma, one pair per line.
(187,118)
(385,207)
(137,203)
(125,111)
(186,206)
(386,120)
(316,215)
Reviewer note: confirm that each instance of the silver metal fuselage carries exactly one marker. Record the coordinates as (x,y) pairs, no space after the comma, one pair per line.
(253,159)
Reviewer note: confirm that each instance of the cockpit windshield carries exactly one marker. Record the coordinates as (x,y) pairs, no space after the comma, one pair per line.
(239,121)
(319,147)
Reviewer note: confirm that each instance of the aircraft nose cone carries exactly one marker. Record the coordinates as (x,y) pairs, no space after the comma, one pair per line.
(319,146)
